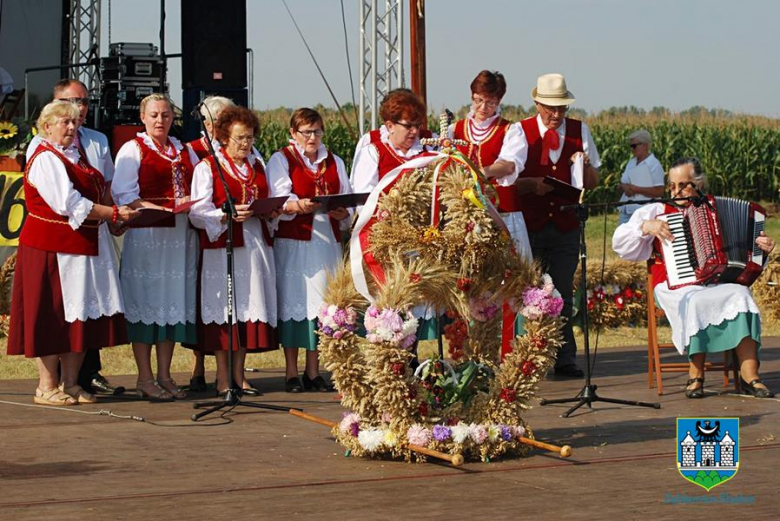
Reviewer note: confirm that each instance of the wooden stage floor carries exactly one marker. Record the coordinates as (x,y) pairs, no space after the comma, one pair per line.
(252,464)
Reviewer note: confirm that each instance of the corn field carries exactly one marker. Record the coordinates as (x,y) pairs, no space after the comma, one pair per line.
(740,154)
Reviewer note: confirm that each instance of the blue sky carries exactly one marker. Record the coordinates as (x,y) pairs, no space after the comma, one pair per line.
(675,53)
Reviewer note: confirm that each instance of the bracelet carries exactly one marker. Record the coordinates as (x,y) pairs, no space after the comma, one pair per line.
(114,214)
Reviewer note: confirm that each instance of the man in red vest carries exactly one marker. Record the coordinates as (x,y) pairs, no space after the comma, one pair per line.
(553,143)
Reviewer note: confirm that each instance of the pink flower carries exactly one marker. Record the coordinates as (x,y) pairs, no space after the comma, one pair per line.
(479,434)
(418,435)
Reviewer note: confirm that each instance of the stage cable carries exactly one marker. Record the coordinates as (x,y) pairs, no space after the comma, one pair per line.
(111,414)
(350,128)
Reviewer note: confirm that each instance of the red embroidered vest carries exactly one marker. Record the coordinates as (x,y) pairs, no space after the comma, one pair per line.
(388,157)
(306,184)
(485,154)
(200,147)
(243,191)
(162,181)
(538,210)
(47,230)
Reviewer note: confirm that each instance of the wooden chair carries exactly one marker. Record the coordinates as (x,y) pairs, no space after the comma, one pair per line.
(654,365)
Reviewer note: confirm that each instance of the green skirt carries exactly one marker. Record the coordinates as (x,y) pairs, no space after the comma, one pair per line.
(298,334)
(152,333)
(726,335)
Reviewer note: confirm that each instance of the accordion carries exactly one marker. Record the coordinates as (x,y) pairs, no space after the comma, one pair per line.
(714,243)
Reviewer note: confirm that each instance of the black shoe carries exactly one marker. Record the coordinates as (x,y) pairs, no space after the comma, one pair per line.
(569,371)
(251,391)
(318,384)
(100,385)
(698,392)
(751,389)
(198,384)
(293,385)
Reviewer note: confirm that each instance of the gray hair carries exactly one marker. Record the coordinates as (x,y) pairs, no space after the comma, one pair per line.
(55,110)
(699,177)
(642,136)
(213,105)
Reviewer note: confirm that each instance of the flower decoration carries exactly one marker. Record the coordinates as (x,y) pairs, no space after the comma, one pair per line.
(8,130)
(335,321)
(418,435)
(371,439)
(508,395)
(528,368)
(464,284)
(541,302)
(350,424)
(482,308)
(441,433)
(383,215)
(15,135)
(478,434)
(388,325)
(414,278)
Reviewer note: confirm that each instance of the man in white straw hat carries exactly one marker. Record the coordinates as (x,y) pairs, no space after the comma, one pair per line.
(554,142)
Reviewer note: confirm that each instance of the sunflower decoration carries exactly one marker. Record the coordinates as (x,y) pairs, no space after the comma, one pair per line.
(8,130)
(15,135)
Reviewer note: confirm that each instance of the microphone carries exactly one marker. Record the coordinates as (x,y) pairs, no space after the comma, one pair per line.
(196,112)
(702,199)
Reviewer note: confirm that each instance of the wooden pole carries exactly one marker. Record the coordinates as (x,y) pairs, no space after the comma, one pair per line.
(417,37)
(564,451)
(456,460)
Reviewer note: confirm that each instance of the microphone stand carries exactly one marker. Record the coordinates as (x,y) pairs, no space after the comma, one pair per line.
(233,394)
(587,396)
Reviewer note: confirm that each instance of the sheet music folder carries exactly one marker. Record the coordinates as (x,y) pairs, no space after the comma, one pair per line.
(562,189)
(332,202)
(268,205)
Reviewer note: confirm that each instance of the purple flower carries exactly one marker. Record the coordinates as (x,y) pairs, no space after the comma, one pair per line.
(506,432)
(441,432)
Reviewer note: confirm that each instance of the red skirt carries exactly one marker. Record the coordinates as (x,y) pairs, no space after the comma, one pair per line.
(38,326)
(254,336)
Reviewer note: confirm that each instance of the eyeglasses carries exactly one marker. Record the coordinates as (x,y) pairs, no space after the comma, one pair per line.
(491,104)
(243,139)
(409,126)
(78,101)
(309,133)
(558,109)
(679,187)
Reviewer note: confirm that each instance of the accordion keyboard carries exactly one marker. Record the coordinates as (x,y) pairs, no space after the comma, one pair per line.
(677,258)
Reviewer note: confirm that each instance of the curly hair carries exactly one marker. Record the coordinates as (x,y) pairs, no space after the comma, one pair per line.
(53,111)
(402,104)
(229,117)
(488,83)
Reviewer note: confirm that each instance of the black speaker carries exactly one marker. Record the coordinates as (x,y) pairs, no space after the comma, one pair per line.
(194,95)
(213,44)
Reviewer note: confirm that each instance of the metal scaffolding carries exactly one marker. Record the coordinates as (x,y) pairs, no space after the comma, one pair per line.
(84,40)
(379,32)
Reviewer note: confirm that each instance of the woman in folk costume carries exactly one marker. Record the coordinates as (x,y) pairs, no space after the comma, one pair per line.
(704,319)
(66,292)
(210,109)
(159,261)
(255,280)
(308,245)
(385,149)
(494,145)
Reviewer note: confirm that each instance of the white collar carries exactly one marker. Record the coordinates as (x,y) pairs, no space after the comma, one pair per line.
(71,153)
(177,146)
(485,124)
(322,153)
(416,149)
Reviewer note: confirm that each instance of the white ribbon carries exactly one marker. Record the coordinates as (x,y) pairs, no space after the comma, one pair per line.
(355,249)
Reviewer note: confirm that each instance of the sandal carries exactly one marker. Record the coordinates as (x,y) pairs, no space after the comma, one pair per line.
(149,389)
(78,393)
(169,385)
(697,392)
(751,389)
(53,397)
